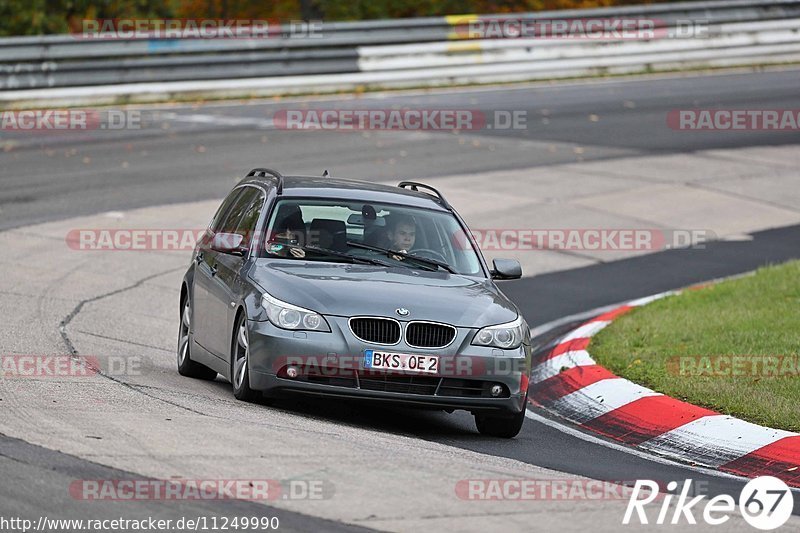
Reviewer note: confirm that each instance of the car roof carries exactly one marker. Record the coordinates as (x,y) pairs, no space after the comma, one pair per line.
(349,189)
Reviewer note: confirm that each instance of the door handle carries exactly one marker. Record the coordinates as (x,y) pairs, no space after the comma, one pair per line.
(214,270)
(199,257)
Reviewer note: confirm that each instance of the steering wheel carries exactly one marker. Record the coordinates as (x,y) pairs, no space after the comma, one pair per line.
(429,254)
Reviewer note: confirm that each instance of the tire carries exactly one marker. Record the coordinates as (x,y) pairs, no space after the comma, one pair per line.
(187,367)
(503,426)
(240,362)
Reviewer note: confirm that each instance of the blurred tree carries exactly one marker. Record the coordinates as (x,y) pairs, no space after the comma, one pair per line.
(35,17)
(237,9)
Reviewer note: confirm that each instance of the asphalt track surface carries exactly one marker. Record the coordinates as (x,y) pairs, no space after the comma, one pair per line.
(179,157)
(183,154)
(31,474)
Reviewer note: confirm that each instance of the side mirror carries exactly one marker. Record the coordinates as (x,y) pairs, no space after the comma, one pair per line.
(506,269)
(229,243)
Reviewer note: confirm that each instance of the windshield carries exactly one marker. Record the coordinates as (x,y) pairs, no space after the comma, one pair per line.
(335,230)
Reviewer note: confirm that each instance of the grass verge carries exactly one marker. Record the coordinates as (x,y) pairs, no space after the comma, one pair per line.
(732,347)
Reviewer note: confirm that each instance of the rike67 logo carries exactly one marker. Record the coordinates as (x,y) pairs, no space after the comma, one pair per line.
(765,503)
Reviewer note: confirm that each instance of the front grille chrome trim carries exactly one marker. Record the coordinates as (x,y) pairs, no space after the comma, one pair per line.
(387,319)
(455,334)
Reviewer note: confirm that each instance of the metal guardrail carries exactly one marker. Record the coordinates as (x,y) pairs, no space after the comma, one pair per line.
(398,51)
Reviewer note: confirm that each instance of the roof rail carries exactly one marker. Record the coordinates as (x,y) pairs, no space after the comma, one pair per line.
(414,186)
(264,172)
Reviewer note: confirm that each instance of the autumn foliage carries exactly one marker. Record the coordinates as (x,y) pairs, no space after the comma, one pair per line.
(36,17)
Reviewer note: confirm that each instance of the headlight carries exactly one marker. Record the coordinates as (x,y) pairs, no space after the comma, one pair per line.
(288,316)
(507,336)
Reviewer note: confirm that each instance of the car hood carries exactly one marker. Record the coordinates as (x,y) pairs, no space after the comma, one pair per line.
(356,290)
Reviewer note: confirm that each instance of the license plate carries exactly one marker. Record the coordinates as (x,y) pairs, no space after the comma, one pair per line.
(403,362)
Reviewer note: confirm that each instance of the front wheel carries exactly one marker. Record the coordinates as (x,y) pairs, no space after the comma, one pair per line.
(187,367)
(504,426)
(240,363)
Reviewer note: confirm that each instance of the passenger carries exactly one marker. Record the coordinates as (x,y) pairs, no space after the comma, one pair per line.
(401,232)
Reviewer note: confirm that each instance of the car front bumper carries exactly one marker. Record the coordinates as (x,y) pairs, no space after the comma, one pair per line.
(332,364)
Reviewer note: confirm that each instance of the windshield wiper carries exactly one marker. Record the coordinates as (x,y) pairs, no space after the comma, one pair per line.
(424,260)
(340,255)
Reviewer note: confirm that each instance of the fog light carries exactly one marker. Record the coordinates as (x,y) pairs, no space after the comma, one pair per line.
(291,372)
(497,390)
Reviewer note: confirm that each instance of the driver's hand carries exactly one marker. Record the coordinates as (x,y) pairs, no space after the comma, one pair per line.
(399,257)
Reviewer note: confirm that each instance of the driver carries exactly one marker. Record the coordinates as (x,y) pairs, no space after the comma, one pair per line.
(288,237)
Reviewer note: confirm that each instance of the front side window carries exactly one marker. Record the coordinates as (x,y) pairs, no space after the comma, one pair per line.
(307,228)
